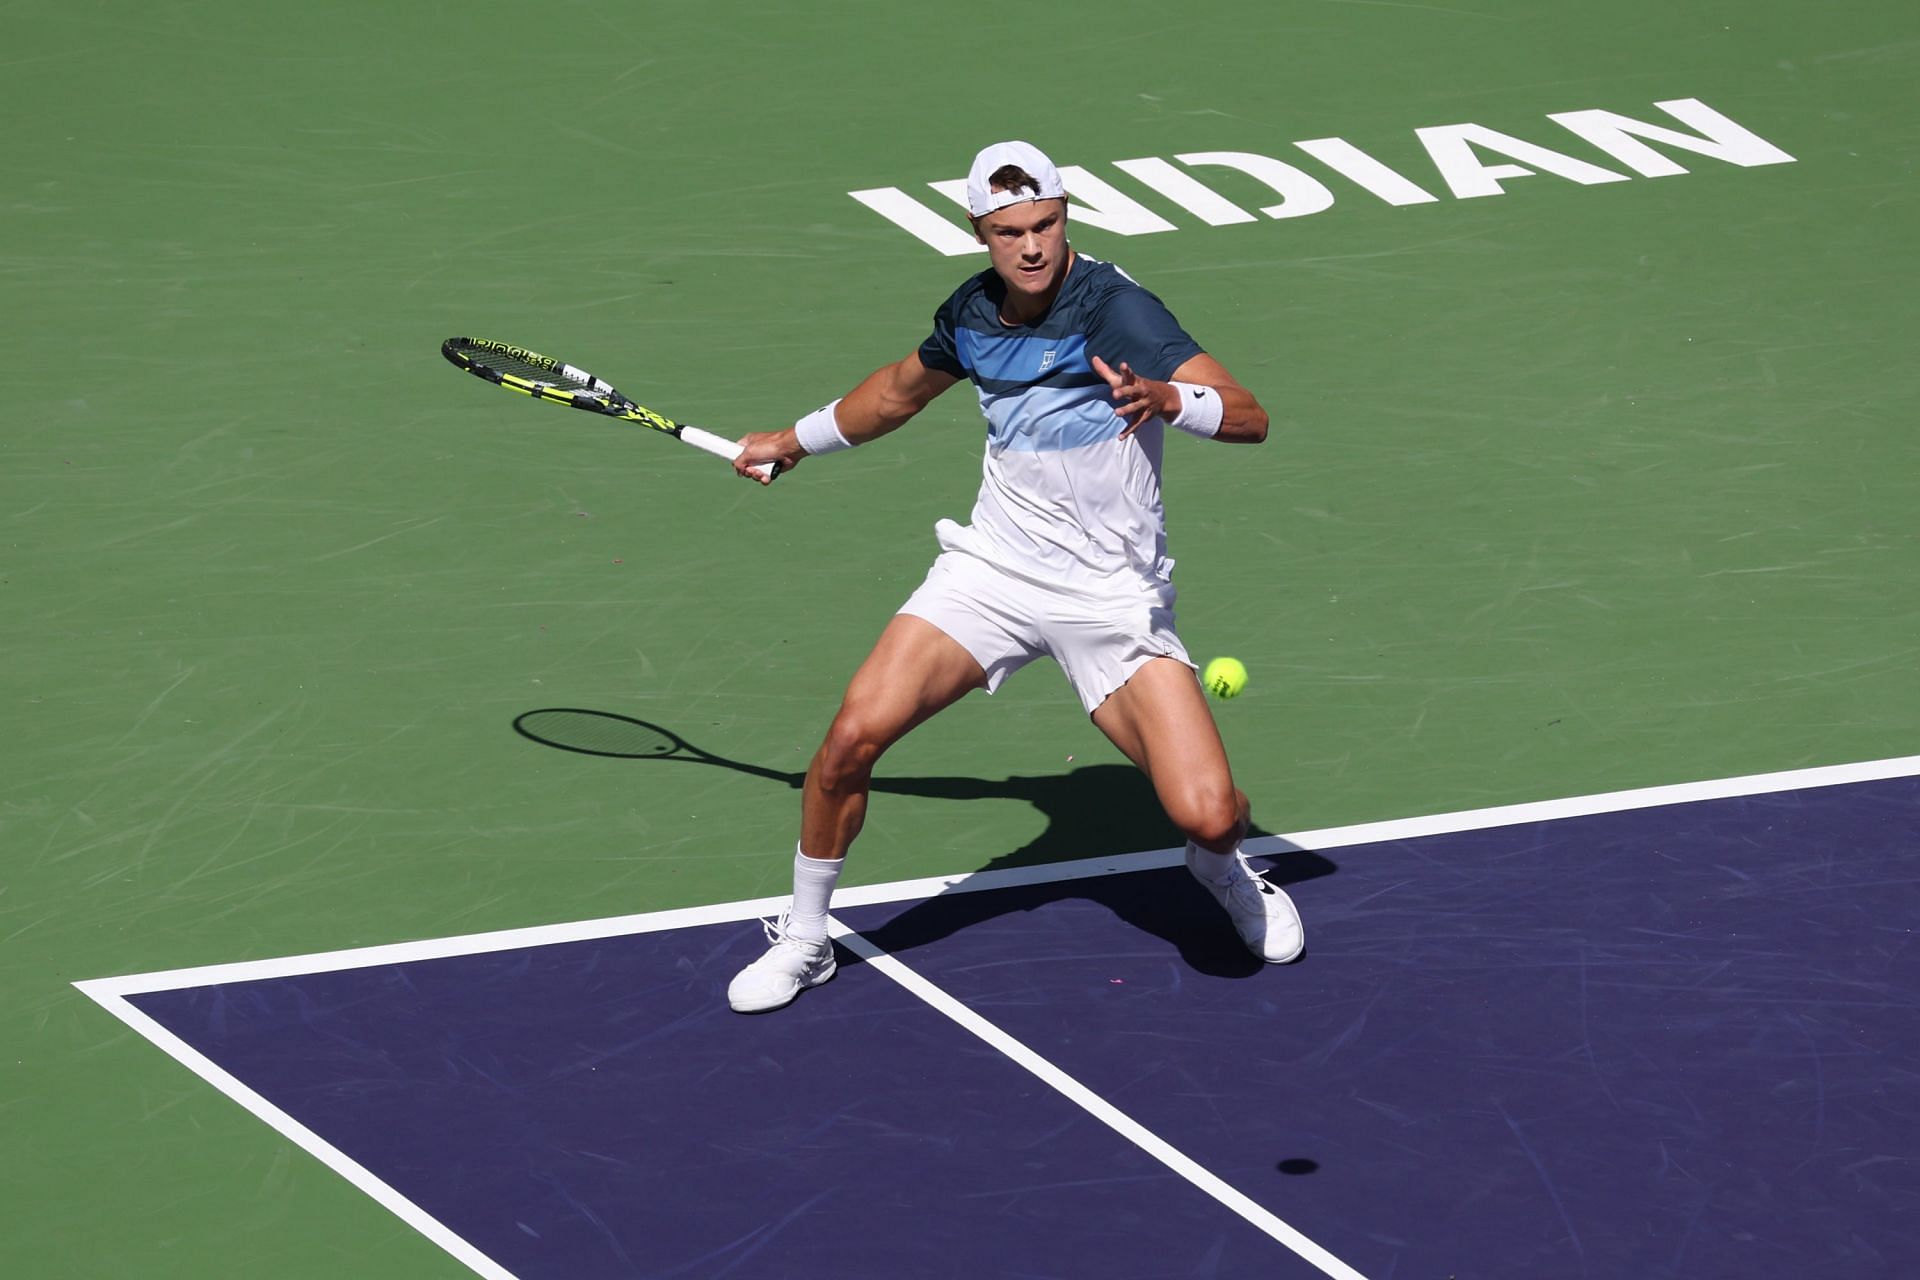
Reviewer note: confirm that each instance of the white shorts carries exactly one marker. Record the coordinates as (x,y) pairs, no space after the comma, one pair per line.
(1005,622)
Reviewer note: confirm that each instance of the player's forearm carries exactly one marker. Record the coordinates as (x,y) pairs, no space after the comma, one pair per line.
(881,403)
(1201,398)
(1242,420)
(865,413)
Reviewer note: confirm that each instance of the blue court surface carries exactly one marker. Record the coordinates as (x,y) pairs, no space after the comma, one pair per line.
(1665,1034)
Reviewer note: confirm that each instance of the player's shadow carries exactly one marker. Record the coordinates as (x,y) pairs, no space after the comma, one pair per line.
(1091,812)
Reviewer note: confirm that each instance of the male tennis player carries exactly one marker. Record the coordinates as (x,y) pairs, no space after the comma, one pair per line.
(1078,368)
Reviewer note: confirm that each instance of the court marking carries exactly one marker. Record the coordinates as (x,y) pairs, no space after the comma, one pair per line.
(306,1139)
(111,992)
(1096,1106)
(979,881)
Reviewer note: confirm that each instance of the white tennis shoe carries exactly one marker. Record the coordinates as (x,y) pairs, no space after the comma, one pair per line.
(790,966)
(1263,915)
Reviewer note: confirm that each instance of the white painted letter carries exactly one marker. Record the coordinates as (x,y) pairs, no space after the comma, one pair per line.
(1619,136)
(903,211)
(1301,193)
(1451,146)
(1101,205)
(1351,162)
(1196,198)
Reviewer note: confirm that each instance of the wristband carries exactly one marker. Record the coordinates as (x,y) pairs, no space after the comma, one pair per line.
(819,432)
(1200,410)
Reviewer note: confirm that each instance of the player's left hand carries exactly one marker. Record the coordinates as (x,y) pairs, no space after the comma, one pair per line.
(1136,400)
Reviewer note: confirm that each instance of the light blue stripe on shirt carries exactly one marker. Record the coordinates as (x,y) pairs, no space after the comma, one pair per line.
(1050,419)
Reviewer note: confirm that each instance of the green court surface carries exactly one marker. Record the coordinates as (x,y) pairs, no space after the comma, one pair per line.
(1576,487)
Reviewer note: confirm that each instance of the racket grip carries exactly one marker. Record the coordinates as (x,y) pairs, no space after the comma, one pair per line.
(722,447)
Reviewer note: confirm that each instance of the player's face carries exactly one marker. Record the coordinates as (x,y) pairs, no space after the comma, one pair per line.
(1027,244)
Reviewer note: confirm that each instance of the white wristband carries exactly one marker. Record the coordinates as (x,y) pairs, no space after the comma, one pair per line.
(1200,410)
(819,431)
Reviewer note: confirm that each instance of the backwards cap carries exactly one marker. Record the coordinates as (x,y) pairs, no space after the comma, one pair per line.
(982,199)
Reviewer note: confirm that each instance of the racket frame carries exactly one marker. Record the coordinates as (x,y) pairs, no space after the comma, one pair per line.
(586,391)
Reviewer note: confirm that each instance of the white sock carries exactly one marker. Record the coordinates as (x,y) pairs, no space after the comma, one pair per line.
(1214,868)
(813,883)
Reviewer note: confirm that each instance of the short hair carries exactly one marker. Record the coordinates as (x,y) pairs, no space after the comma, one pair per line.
(1011,177)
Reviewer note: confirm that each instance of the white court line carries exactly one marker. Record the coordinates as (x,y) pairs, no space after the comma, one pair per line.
(1048,873)
(111,992)
(328,1154)
(1096,1106)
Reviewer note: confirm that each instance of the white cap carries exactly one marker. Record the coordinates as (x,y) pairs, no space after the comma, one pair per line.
(982,199)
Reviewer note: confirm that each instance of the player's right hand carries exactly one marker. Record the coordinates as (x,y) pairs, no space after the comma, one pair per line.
(759,447)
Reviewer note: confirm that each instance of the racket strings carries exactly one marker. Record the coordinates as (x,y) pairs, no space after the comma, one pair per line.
(526,366)
(530,373)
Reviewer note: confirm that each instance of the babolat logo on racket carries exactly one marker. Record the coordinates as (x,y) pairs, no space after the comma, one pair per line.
(518,353)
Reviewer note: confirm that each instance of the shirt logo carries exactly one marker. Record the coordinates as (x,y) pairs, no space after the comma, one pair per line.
(1046,362)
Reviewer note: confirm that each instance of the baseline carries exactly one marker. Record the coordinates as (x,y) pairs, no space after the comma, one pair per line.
(911,890)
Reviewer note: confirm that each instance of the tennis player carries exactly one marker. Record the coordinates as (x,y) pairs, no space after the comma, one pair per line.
(1079,370)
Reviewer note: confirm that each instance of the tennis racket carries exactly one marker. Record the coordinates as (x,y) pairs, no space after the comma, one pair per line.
(544,378)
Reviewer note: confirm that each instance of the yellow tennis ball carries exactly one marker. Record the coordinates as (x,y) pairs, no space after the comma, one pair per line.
(1224,677)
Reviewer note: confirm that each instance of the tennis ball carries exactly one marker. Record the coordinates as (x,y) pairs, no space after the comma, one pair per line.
(1224,677)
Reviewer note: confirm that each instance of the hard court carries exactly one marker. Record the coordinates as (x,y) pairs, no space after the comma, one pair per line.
(353,925)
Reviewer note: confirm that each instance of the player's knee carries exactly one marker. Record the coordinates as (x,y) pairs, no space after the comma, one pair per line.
(1209,815)
(853,744)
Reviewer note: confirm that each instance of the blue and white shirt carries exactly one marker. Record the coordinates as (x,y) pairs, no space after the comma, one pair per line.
(1062,498)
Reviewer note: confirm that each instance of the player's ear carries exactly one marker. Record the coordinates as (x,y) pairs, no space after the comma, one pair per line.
(975,224)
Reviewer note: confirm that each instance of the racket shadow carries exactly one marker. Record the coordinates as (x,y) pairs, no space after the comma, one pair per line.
(1092,812)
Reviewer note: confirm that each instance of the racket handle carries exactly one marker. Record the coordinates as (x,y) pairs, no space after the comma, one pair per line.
(722,447)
